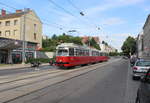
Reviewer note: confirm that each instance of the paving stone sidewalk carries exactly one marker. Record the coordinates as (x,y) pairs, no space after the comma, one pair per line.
(18,66)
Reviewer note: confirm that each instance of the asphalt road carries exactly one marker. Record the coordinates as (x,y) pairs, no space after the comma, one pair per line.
(108,84)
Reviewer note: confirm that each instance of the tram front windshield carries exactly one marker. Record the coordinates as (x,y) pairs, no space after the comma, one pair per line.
(62,52)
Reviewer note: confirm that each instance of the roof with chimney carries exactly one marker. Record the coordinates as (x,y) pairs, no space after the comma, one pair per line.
(86,38)
(18,13)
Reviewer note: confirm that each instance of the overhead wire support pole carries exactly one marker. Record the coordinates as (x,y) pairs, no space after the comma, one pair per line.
(24,39)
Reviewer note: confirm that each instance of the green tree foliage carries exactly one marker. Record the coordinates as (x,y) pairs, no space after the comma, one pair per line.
(54,37)
(129,46)
(114,54)
(103,42)
(91,42)
(50,44)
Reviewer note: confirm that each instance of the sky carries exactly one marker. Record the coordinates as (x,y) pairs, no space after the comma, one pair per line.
(117,19)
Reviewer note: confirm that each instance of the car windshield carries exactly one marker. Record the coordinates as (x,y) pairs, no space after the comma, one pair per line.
(62,52)
(143,63)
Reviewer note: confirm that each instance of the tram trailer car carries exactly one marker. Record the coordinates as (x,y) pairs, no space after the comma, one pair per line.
(69,55)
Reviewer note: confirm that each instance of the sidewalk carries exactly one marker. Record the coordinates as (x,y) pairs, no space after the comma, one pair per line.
(18,66)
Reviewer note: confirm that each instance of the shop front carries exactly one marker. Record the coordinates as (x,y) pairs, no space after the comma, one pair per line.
(3,56)
(11,51)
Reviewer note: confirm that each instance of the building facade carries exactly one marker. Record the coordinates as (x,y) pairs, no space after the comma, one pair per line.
(139,43)
(107,48)
(146,39)
(23,25)
(86,38)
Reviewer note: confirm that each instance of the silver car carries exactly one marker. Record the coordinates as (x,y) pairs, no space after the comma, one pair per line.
(140,67)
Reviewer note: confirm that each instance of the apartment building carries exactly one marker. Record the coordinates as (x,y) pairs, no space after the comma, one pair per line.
(146,38)
(139,43)
(107,48)
(23,25)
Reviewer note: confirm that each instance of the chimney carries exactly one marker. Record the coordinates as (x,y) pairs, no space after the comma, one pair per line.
(3,12)
(27,9)
(18,11)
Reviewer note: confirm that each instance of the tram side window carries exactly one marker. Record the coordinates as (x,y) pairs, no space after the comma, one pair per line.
(84,52)
(79,52)
(71,51)
(76,52)
(104,54)
(87,52)
(97,54)
(93,53)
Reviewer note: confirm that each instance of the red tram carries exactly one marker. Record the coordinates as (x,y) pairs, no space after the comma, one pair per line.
(69,55)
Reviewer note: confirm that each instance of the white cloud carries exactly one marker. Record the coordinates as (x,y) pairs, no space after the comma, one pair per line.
(147,9)
(109,4)
(113,21)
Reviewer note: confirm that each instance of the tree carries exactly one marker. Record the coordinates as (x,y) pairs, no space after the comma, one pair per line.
(103,42)
(50,44)
(129,46)
(91,42)
(54,37)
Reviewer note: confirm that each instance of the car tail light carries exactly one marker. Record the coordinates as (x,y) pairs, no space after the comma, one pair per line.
(135,68)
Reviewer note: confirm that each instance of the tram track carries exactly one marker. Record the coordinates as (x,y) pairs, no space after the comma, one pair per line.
(27,76)
(45,82)
(14,78)
(38,78)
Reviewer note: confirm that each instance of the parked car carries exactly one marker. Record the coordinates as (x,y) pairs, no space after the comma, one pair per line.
(133,59)
(143,93)
(125,57)
(140,67)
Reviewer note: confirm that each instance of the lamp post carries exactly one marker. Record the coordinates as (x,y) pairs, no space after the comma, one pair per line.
(24,42)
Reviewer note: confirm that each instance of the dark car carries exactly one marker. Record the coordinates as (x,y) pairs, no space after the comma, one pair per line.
(143,94)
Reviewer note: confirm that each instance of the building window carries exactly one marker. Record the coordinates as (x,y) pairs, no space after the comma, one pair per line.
(7,23)
(15,22)
(15,32)
(0,33)
(7,33)
(34,27)
(34,36)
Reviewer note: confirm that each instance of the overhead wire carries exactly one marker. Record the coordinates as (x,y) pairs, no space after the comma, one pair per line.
(68,12)
(43,21)
(74,5)
(83,14)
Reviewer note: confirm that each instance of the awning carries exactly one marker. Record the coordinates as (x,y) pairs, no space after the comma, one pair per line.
(6,43)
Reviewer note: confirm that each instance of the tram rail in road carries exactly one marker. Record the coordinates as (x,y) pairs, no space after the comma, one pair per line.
(24,86)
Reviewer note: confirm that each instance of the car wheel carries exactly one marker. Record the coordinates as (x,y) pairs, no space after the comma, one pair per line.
(133,77)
